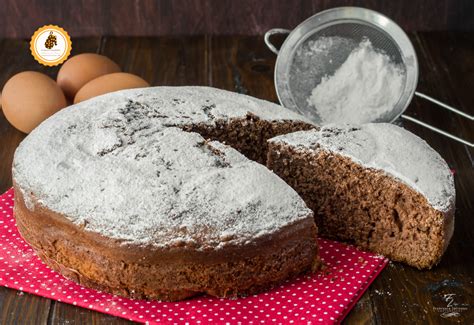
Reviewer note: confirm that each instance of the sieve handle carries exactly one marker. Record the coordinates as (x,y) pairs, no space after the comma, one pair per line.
(271,32)
(432,128)
(449,108)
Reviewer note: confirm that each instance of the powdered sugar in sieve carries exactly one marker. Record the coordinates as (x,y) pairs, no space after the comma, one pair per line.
(349,65)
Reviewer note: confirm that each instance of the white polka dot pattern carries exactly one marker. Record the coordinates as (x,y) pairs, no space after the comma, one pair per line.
(323,298)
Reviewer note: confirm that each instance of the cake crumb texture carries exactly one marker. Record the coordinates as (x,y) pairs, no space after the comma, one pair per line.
(376,185)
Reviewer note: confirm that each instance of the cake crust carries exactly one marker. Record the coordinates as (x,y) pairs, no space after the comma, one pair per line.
(168,274)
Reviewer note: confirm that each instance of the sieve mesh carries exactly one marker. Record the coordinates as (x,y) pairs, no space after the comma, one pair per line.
(311,61)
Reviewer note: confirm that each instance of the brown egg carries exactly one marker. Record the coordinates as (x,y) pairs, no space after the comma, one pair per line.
(82,68)
(29,98)
(109,83)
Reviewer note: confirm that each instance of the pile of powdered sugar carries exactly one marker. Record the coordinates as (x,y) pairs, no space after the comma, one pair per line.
(363,89)
(324,45)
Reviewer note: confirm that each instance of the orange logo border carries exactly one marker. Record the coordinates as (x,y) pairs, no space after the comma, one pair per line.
(38,57)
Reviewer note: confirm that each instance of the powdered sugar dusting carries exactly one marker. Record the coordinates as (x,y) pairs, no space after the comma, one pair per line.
(120,165)
(388,148)
(365,88)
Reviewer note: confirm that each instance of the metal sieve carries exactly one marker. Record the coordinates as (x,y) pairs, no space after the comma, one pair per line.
(301,65)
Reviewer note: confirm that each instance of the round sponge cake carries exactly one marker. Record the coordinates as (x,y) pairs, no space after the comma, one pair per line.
(135,193)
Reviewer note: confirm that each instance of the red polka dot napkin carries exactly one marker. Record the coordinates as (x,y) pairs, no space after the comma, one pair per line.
(322,298)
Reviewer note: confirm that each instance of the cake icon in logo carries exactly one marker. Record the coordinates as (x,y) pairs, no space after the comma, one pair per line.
(51,41)
(50,45)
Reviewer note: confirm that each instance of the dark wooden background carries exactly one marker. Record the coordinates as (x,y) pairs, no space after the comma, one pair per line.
(401,294)
(20,18)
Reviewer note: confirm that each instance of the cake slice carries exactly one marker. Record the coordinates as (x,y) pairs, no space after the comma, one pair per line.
(377,186)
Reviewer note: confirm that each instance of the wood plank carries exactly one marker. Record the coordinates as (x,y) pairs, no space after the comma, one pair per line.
(362,313)
(61,314)
(242,64)
(170,61)
(21,308)
(20,18)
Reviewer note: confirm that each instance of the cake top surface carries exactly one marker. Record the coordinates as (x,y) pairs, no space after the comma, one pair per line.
(388,148)
(120,165)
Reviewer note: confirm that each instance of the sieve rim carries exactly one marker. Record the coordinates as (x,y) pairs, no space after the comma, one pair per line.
(339,15)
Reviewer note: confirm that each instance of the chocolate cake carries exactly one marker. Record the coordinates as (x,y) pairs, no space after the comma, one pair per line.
(376,185)
(135,193)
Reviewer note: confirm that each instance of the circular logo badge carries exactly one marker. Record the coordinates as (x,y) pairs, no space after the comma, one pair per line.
(50,45)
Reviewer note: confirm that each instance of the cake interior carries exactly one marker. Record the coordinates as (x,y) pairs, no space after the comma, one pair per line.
(248,135)
(362,206)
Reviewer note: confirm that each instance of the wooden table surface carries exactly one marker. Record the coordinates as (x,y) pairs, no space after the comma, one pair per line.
(401,294)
